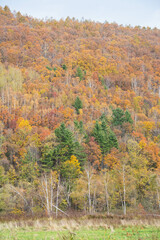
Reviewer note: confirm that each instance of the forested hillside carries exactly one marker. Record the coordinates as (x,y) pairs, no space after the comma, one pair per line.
(79,116)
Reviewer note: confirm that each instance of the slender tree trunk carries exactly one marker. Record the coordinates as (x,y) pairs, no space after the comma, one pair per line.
(68,190)
(89,189)
(94,200)
(106,193)
(124,191)
(44,183)
(51,190)
(158,197)
(57,197)
(47,195)
(89,195)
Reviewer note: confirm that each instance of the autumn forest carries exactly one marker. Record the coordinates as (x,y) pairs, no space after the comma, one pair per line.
(79,117)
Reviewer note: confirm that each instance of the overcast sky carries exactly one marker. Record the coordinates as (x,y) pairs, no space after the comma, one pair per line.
(133,12)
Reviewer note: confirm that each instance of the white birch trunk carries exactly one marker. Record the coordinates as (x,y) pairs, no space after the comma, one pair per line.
(124,191)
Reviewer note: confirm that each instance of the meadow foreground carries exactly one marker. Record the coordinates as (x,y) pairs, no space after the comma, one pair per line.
(81,229)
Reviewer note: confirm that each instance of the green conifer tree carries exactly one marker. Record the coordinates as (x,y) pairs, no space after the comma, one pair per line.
(128,117)
(78,104)
(105,137)
(79,73)
(66,146)
(119,117)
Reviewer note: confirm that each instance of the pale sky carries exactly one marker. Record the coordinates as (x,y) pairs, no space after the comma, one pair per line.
(133,12)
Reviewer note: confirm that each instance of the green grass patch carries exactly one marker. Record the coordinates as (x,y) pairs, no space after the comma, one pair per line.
(135,233)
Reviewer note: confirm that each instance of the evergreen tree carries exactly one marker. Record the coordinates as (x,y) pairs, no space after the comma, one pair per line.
(78,104)
(79,73)
(104,137)
(65,137)
(65,147)
(79,126)
(113,143)
(64,67)
(103,118)
(119,117)
(128,117)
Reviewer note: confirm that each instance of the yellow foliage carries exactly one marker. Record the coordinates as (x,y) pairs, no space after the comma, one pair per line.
(148,126)
(73,166)
(24,124)
(17,211)
(137,101)
(80,111)
(142,144)
(35,139)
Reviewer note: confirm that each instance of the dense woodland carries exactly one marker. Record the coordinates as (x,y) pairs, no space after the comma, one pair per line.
(79,116)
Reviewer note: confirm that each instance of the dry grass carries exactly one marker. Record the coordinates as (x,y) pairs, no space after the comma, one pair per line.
(74,224)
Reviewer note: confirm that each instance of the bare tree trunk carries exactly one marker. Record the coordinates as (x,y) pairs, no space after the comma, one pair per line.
(124,191)
(68,191)
(94,200)
(89,195)
(57,197)
(106,193)
(158,197)
(46,195)
(44,183)
(51,190)
(89,176)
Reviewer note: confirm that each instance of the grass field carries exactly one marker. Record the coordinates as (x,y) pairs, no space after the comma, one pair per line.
(138,233)
(86,229)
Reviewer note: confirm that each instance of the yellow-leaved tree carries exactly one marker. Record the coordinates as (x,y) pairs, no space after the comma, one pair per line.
(70,171)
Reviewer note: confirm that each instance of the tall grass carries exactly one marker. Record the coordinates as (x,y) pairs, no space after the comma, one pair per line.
(88,222)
